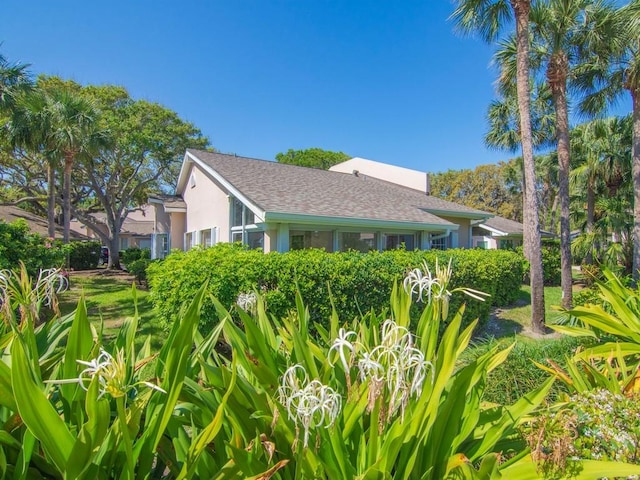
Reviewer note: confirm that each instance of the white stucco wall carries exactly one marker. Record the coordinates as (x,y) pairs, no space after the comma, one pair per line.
(208,205)
(391,173)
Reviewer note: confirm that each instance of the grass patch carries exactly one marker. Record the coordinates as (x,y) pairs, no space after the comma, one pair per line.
(508,321)
(109,299)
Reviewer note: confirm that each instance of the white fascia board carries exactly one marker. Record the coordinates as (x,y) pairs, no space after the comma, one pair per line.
(192,159)
(495,231)
(302,219)
(450,213)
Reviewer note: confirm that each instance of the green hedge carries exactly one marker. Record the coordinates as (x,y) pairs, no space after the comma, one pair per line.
(19,244)
(84,255)
(550,263)
(359,282)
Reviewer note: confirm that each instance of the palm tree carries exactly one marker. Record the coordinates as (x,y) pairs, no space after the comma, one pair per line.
(566,32)
(73,132)
(14,78)
(29,128)
(601,163)
(488,18)
(605,78)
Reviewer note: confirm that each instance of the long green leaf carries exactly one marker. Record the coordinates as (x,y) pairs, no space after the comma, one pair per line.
(206,436)
(36,411)
(173,358)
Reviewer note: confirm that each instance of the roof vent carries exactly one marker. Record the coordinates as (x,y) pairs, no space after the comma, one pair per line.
(356,173)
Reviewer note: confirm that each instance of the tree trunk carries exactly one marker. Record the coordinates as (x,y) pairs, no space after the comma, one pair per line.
(591,206)
(532,240)
(66,193)
(635,94)
(557,72)
(114,252)
(51,200)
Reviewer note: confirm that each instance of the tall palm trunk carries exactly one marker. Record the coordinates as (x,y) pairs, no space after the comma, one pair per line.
(635,94)
(532,241)
(557,73)
(51,200)
(66,192)
(591,207)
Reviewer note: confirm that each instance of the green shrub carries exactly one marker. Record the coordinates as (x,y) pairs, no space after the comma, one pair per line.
(84,255)
(359,282)
(138,268)
(18,244)
(550,263)
(134,253)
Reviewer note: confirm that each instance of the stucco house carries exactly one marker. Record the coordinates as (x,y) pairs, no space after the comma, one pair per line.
(491,232)
(280,207)
(137,229)
(497,232)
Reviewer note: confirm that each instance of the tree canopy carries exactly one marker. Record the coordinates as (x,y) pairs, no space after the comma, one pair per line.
(141,152)
(312,158)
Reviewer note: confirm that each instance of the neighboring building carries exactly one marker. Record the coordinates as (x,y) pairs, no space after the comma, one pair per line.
(497,232)
(137,229)
(37,224)
(280,207)
(383,171)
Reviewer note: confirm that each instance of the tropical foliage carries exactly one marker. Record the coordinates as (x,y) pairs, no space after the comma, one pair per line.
(366,399)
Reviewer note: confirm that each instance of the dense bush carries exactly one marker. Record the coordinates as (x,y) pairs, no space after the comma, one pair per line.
(358,282)
(134,253)
(84,255)
(18,244)
(550,263)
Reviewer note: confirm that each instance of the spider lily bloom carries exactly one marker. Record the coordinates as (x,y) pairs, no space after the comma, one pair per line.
(418,283)
(340,344)
(395,368)
(18,291)
(310,404)
(112,375)
(247,301)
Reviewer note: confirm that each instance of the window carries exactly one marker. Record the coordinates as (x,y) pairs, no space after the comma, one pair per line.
(124,243)
(391,241)
(238,210)
(483,244)
(361,242)
(205,237)
(299,239)
(192,180)
(236,213)
(440,243)
(255,239)
(188,240)
(506,244)
(144,244)
(236,236)
(163,241)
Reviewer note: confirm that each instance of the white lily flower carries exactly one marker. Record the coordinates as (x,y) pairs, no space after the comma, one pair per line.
(310,404)
(340,344)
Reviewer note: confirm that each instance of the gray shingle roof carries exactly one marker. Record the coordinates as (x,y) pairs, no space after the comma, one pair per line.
(504,225)
(37,224)
(289,189)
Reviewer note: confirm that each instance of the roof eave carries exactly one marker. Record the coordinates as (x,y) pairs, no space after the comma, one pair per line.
(304,219)
(450,213)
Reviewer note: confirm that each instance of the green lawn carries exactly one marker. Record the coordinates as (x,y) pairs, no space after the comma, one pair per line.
(109,298)
(508,321)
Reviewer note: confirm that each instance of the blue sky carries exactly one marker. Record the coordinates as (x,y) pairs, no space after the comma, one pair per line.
(388,81)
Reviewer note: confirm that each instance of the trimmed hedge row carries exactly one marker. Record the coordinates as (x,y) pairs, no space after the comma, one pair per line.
(358,282)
